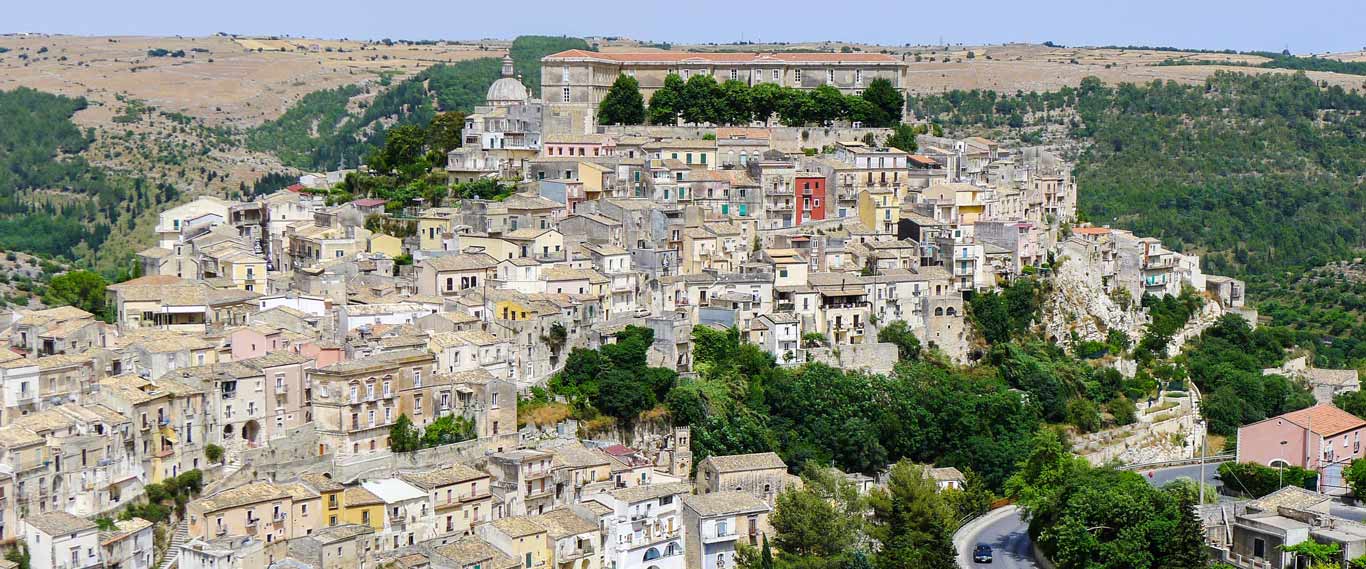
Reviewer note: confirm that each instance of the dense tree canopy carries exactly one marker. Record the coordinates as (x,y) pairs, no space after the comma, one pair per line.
(623,103)
(1086,517)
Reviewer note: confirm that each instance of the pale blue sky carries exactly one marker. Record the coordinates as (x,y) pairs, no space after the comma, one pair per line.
(1305,27)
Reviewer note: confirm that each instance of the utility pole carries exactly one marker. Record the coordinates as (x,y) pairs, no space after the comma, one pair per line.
(1203,451)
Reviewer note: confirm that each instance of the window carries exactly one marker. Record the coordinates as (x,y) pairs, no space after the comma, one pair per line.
(797,74)
(564,95)
(564,74)
(1259,548)
(734,74)
(858,76)
(830,76)
(775,75)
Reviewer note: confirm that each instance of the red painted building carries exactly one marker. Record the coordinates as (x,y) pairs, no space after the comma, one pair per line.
(810,188)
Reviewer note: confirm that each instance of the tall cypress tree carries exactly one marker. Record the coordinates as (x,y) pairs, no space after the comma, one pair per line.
(1188,542)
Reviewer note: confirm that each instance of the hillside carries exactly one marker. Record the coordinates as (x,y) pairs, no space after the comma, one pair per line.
(1260,174)
(232,115)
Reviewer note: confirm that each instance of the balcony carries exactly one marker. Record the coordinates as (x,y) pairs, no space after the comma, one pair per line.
(281,389)
(470,497)
(1159,262)
(280,517)
(25,397)
(533,493)
(222,531)
(230,394)
(576,553)
(714,536)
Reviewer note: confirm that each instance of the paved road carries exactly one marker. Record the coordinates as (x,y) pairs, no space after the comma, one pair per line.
(1007,533)
(1009,540)
(1165,475)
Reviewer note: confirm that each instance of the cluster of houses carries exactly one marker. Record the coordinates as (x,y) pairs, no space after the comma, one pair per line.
(272,344)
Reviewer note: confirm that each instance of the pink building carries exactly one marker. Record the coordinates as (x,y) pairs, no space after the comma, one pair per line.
(256,340)
(1321,438)
(323,353)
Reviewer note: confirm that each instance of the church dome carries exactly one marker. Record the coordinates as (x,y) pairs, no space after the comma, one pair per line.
(507,89)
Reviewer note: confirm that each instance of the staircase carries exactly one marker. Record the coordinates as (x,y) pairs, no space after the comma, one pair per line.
(179,535)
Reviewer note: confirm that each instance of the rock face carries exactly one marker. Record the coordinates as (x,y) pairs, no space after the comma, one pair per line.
(1079,304)
(1209,313)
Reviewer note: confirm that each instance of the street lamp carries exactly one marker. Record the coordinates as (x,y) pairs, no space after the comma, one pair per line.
(1281,480)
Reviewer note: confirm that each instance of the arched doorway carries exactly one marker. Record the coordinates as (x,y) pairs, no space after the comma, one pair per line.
(250,431)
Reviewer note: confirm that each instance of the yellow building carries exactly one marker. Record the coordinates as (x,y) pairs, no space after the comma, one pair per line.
(247,271)
(360,506)
(433,225)
(596,178)
(520,537)
(330,497)
(386,244)
(879,210)
(956,203)
(313,243)
(513,310)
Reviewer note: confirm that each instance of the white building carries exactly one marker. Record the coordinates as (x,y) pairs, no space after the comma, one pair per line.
(716,522)
(645,528)
(352,317)
(408,518)
(58,540)
(129,546)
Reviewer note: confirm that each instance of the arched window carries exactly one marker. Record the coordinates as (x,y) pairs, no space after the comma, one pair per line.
(673,549)
(952,311)
(651,554)
(939,311)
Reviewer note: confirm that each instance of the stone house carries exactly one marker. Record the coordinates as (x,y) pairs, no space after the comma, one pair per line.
(762,475)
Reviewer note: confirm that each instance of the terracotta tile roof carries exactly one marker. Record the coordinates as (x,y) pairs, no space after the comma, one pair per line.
(724,504)
(1324,419)
(717,57)
(742,462)
(59,523)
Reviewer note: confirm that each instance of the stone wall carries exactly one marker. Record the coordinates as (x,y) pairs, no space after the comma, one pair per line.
(287,458)
(872,357)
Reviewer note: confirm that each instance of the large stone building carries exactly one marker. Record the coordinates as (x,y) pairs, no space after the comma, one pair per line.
(583,77)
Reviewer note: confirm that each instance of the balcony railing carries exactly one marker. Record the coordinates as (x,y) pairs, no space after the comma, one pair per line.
(576,553)
(714,536)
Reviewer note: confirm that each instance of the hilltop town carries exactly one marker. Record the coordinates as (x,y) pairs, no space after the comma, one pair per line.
(500,374)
